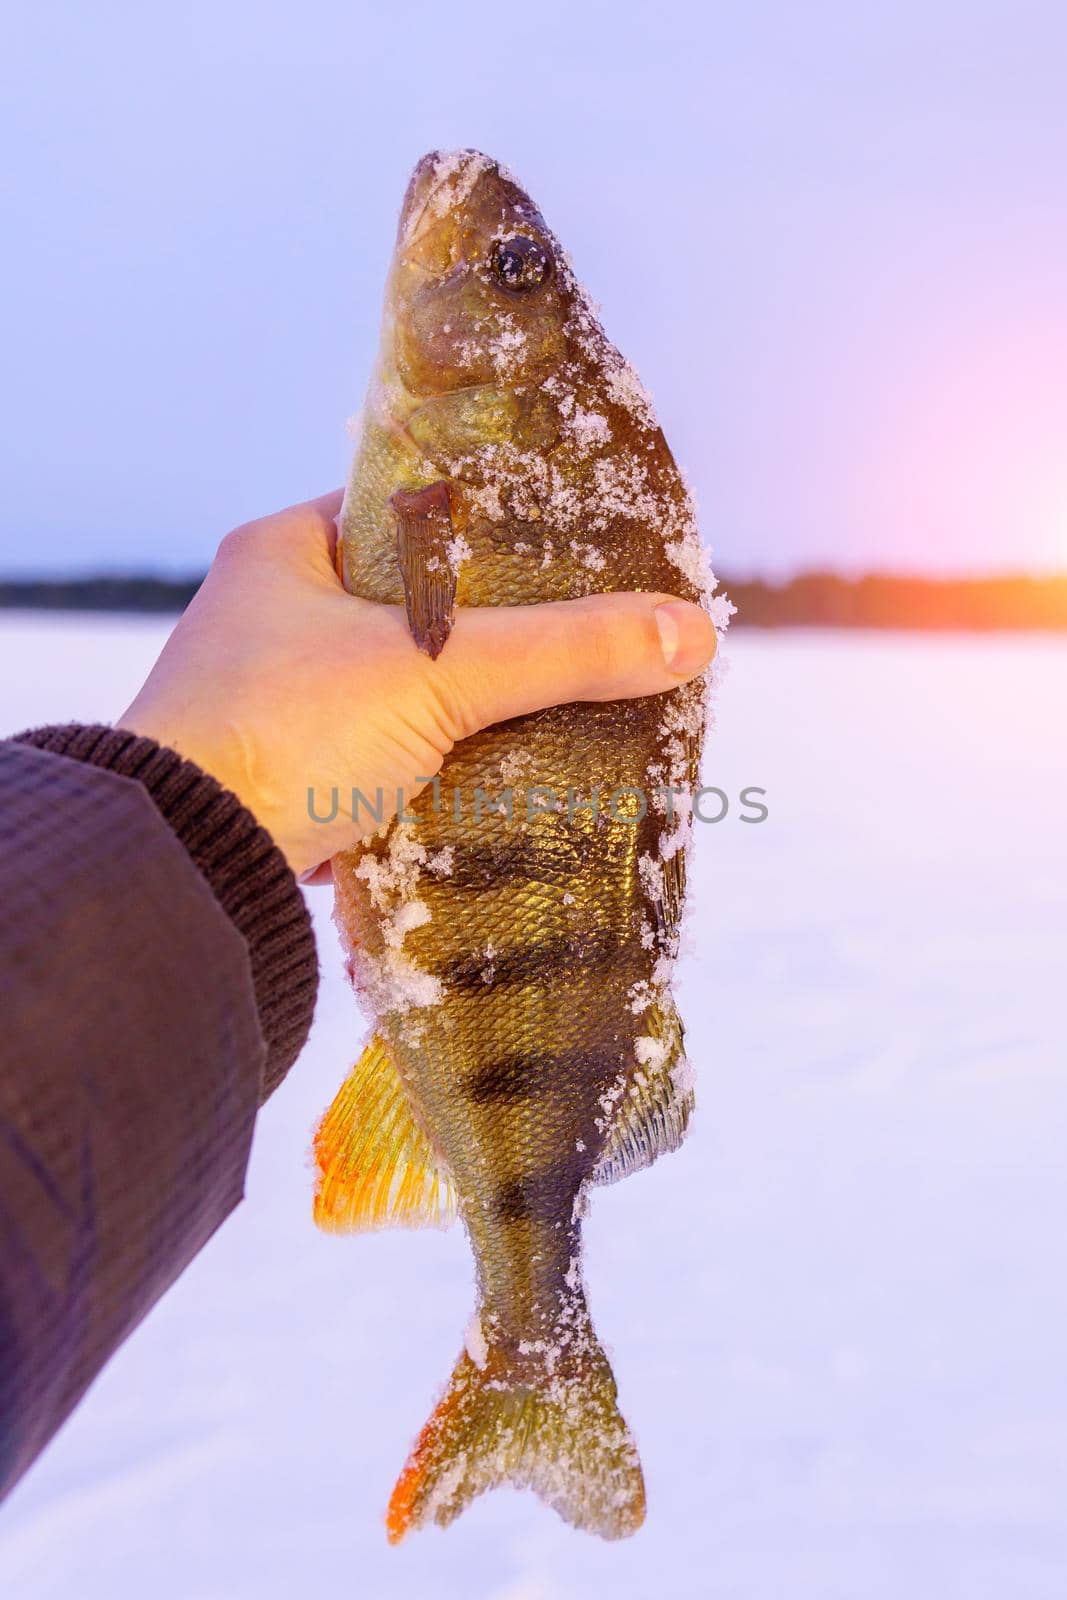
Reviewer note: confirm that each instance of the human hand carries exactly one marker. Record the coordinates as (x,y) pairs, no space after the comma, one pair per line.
(276,680)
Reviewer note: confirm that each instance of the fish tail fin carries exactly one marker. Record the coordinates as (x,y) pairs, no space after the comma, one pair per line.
(533,1422)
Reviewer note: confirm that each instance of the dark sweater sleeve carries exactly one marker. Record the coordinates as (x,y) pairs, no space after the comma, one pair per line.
(158,973)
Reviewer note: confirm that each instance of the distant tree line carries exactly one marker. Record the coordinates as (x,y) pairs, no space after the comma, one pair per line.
(828,600)
(811,600)
(135,593)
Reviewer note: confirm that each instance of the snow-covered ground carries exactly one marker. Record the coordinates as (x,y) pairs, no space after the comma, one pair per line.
(837,1315)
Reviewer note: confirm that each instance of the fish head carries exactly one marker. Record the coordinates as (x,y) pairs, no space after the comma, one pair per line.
(479,295)
(494,377)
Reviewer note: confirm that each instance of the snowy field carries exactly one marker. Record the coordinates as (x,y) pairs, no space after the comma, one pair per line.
(837,1315)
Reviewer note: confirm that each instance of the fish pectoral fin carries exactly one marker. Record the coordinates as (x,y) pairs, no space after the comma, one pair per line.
(653,1116)
(375,1167)
(423,535)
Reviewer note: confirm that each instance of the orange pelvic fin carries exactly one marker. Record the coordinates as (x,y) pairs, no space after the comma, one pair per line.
(376,1168)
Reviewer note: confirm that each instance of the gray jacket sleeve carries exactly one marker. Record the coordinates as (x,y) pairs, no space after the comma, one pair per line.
(151,999)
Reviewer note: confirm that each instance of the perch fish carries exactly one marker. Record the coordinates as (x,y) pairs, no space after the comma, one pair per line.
(516,949)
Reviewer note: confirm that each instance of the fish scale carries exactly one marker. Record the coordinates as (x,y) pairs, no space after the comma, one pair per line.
(518,968)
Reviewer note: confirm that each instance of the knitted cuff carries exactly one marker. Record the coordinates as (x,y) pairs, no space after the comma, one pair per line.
(247,873)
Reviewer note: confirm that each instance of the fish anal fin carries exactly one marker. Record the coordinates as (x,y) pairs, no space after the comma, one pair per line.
(652,1117)
(375,1168)
(423,535)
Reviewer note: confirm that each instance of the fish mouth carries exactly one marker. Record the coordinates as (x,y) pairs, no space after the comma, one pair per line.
(441,180)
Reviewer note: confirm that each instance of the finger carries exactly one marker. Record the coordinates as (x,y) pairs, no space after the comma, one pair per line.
(508,660)
(329,505)
(302,537)
(327,508)
(319,877)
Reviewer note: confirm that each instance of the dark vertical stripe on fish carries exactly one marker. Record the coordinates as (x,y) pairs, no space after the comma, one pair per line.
(532,962)
(524,1076)
(540,1196)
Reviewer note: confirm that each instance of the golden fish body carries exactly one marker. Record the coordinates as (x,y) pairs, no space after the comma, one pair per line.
(514,931)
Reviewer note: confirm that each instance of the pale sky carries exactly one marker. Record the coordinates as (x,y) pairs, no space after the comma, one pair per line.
(832,237)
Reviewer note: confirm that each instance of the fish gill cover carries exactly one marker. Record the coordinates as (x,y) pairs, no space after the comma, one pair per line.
(514,934)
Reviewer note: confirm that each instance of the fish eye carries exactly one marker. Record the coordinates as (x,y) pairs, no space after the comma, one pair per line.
(520,263)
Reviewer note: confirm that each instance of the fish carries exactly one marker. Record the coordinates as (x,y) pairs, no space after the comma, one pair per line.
(513,930)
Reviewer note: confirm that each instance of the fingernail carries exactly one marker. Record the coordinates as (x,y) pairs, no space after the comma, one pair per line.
(686,636)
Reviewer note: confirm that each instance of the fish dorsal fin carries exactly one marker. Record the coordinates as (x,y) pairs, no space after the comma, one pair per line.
(668,907)
(375,1167)
(653,1115)
(423,535)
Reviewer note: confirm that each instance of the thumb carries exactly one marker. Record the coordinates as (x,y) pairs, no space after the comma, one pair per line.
(504,661)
